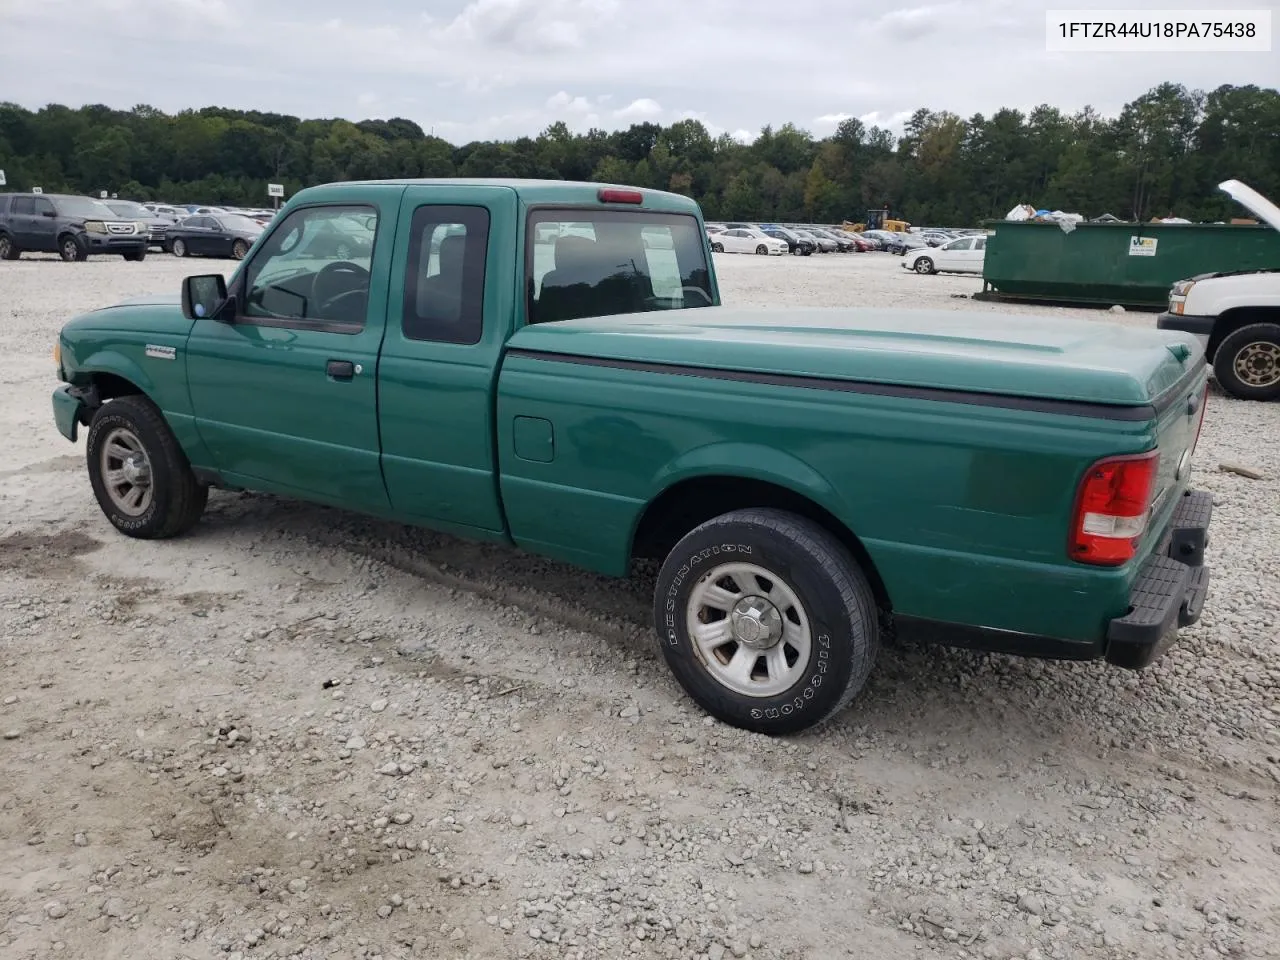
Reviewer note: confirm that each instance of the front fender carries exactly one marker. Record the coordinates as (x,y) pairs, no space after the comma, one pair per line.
(117,364)
(750,461)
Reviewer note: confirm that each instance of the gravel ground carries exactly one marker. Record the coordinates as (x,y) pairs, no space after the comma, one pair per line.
(301,733)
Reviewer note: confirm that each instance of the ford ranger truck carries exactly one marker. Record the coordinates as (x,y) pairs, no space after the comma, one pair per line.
(1236,314)
(549,365)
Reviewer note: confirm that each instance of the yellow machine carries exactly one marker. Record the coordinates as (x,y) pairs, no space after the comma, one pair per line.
(879,220)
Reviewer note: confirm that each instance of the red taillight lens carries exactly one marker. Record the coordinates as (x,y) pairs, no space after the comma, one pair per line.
(1112,507)
(619,196)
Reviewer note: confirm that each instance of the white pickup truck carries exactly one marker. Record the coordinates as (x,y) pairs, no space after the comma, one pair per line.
(1235,314)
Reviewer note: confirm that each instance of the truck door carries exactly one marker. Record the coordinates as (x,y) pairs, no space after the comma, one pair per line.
(285,392)
(450,309)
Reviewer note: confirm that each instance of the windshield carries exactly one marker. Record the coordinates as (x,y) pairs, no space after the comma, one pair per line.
(601,262)
(129,209)
(85,208)
(243,224)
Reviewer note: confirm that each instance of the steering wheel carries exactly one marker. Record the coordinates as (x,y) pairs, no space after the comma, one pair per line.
(335,282)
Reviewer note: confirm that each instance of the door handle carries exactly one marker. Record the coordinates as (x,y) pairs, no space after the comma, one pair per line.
(340,369)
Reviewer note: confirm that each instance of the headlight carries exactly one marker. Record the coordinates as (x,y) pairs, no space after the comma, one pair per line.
(141,227)
(95,226)
(1182,288)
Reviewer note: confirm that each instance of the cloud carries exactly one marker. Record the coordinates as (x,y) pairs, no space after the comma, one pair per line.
(638,110)
(508,68)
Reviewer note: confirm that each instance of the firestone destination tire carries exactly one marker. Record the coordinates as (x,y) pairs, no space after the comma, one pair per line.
(766,620)
(139,473)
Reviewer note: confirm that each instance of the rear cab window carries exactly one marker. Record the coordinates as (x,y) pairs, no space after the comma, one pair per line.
(594,263)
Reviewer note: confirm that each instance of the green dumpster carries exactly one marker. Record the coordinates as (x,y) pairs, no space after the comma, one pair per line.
(1133,264)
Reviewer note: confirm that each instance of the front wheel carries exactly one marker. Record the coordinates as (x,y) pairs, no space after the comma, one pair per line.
(717,248)
(762,250)
(72,250)
(139,473)
(135,256)
(923,265)
(1247,362)
(766,620)
(179,248)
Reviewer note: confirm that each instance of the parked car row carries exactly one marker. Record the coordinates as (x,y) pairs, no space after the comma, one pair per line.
(76,227)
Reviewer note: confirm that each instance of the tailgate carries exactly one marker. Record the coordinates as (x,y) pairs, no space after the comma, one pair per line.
(1180,417)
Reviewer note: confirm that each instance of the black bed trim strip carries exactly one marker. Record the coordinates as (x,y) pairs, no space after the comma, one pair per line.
(1075,408)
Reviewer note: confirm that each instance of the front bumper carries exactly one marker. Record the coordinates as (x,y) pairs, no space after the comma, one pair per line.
(98,243)
(67,411)
(1200,326)
(1170,589)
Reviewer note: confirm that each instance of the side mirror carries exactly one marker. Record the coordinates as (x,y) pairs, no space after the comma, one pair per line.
(203,297)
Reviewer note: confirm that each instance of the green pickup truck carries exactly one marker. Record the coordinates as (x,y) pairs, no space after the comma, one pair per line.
(548,365)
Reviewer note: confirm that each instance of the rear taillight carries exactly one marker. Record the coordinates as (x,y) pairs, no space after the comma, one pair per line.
(1112,508)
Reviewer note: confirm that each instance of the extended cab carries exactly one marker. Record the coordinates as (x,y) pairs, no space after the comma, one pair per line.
(549,365)
(1235,315)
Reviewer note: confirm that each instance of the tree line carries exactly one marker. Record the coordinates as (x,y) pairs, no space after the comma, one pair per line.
(1163,154)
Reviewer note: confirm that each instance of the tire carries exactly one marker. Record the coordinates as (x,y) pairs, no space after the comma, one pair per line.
(169,499)
(179,248)
(924,265)
(762,251)
(71,250)
(811,575)
(1247,362)
(239,249)
(135,257)
(8,249)
(717,248)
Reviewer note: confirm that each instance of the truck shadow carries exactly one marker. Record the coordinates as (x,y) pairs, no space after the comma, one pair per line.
(931,690)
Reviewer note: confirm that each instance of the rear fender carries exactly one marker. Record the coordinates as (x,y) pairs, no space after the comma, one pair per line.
(751,461)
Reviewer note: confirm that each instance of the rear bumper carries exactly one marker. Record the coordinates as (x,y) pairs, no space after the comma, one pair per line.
(1170,589)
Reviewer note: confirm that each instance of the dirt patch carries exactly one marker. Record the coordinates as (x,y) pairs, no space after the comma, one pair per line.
(45,555)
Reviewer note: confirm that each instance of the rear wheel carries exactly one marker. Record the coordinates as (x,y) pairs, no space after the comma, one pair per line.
(135,255)
(717,248)
(1247,362)
(179,248)
(766,620)
(239,249)
(71,249)
(139,473)
(8,249)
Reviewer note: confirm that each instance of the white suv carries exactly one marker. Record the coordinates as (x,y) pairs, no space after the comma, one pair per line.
(1235,314)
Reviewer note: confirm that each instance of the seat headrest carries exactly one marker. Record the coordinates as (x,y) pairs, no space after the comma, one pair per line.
(452,249)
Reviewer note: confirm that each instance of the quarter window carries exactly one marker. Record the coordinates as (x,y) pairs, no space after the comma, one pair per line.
(314,266)
(444,282)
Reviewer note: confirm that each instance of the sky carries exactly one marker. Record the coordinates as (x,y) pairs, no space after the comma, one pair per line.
(498,69)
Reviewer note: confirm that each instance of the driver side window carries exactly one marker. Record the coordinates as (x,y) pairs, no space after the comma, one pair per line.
(314,267)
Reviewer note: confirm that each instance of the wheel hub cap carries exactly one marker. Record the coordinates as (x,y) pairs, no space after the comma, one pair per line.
(134,472)
(1258,364)
(756,623)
